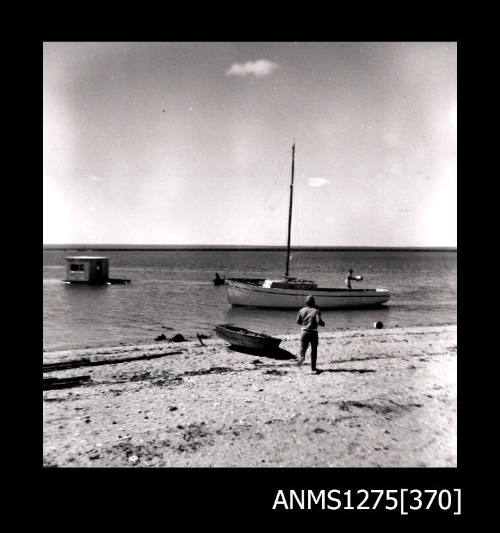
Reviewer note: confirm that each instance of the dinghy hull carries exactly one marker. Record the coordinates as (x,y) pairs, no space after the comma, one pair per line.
(244,338)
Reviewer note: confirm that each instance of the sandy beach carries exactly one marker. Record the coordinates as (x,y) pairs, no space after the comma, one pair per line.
(385,398)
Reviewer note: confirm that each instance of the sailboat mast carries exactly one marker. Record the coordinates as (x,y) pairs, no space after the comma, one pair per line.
(290,213)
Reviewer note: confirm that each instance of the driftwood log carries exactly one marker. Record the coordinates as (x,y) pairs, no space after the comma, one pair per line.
(76,363)
(63,383)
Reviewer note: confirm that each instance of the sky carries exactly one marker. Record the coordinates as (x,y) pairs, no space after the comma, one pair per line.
(191,143)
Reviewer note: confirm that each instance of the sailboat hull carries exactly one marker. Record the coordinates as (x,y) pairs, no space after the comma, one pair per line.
(250,293)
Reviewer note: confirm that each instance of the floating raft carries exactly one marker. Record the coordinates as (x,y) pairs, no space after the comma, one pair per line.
(109,281)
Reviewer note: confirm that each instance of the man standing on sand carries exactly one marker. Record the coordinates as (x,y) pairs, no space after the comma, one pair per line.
(310,318)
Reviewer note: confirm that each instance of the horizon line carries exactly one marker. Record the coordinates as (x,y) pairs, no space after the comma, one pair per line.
(124,247)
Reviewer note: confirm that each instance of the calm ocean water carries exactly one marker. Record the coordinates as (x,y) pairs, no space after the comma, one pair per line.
(172,292)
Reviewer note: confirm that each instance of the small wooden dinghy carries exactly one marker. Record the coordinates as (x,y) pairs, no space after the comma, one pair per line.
(244,338)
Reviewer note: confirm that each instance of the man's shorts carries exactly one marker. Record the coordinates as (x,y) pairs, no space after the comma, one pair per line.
(308,337)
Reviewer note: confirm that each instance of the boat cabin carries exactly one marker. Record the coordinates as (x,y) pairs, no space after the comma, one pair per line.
(87,269)
(298,284)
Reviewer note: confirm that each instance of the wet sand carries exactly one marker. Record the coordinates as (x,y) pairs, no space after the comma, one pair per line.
(385,398)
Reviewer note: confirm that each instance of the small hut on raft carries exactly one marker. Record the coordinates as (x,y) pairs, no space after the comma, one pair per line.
(90,270)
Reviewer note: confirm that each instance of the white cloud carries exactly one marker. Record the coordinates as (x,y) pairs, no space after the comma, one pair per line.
(317,182)
(260,67)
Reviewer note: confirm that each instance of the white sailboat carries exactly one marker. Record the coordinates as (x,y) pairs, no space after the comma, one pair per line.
(290,292)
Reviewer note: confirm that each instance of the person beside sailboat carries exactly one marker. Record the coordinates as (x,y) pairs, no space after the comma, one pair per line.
(309,318)
(218,280)
(350,278)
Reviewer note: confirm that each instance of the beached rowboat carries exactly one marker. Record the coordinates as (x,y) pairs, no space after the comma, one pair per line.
(245,338)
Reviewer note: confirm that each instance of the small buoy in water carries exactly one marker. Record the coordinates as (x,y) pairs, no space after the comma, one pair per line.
(378,325)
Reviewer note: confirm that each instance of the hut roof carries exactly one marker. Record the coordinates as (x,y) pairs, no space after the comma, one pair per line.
(83,257)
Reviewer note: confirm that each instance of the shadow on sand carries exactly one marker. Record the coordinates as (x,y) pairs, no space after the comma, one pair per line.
(353,370)
(277,353)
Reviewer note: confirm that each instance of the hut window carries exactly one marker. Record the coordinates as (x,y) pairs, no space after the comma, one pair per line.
(76,268)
